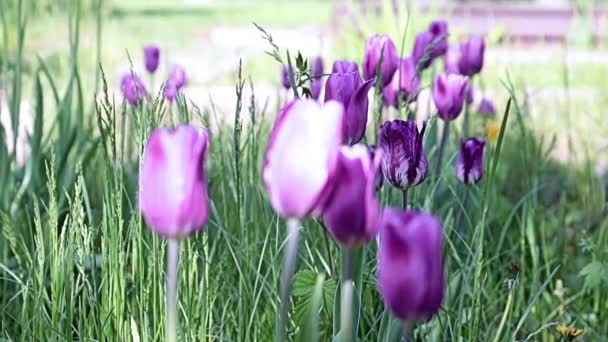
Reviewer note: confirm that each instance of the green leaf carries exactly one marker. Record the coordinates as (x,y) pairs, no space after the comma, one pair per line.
(310,332)
(595,274)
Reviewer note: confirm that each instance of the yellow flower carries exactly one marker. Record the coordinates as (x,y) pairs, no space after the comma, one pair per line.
(492,131)
(570,333)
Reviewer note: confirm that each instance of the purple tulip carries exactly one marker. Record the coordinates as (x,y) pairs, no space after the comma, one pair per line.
(469,165)
(449,95)
(151,57)
(374,45)
(451,60)
(173,194)
(404,163)
(171,90)
(410,267)
(439,30)
(423,40)
(352,211)
(379,181)
(348,89)
(178,75)
(405,82)
(471,56)
(316,85)
(486,106)
(344,67)
(285,77)
(301,157)
(132,88)
(316,68)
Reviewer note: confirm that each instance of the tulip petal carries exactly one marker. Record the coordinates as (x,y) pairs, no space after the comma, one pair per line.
(356,114)
(301,156)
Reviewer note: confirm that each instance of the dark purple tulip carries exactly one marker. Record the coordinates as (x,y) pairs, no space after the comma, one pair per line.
(423,40)
(301,157)
(316,67)
(411,279)
(451,60)
(379,181)
(316,85)
(132,88)
(469,165)
(178,75)
(173,194)
(449,95)
(404,163)
(374,46)
(348,89)
(439,30)
(344,66)
(151,57)
(487,107)
(352,211)
(471,56)
(404,82)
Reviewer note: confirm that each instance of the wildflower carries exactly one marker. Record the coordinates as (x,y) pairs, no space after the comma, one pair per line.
(570,333)
(492,131)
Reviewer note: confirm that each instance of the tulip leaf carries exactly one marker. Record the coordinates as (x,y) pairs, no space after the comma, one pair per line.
(310,331)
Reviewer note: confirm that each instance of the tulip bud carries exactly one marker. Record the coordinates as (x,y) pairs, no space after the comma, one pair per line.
(344,67)
(178,75)
(316,72)
(405,83)
(410,267)
(471,56)
(348,89)
(170,90)
(301,157)
(374,47)
(316,68)
(285,77)
(404,163)
(173,194)
(451,60)
(423,40)
(486,107)
(352,211)
(469,165)
(315,88)
(449,94)
(151,57)
(439,31)
(132,88)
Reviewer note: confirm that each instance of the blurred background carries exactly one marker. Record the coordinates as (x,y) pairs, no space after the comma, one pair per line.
(553,50)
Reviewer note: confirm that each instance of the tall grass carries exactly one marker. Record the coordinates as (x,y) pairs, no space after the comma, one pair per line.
(78,263)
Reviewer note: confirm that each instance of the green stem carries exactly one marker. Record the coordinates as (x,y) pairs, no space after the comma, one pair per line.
(172,268)
(406,332)
(291,253)
(404,198)
(328,250)
(444,138)
(346,306)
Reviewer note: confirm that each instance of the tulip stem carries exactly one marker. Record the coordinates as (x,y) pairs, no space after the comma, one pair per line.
(346,305)
(406,332)
(404,197)
(291,253)
(465,121)
(172,266)
(444,138)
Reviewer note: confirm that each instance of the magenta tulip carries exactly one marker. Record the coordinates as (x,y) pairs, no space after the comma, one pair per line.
(151,58)
(301,157)
(405,83)
(469,165)
(449,95)
(132,88)
(173,194)
(471,56)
